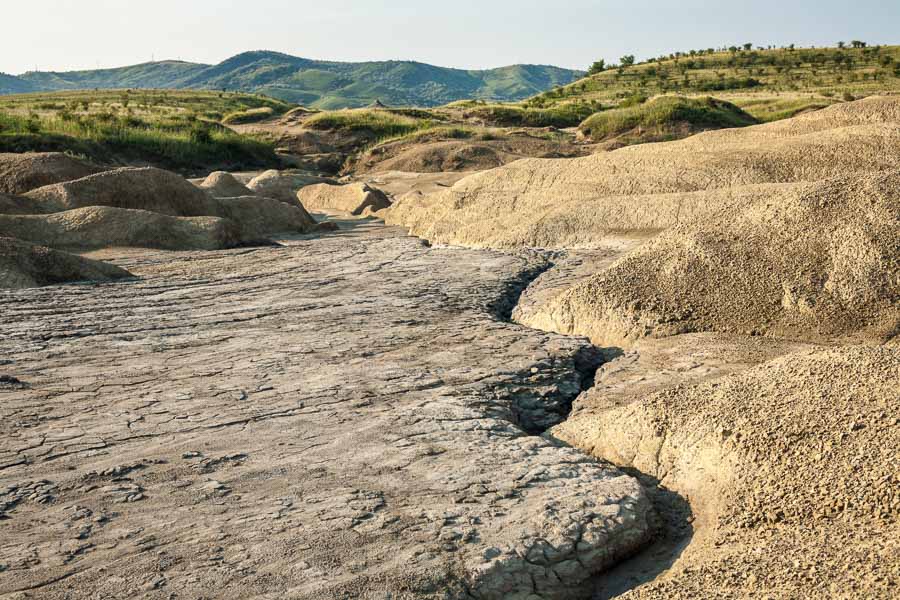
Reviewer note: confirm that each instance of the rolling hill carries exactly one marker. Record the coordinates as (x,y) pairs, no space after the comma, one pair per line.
(10,84)
(315,83)
(784,74)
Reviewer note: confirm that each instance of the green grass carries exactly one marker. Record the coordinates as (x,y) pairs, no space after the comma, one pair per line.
(820,72)
(767,110)
(443,132)
(325,85)
(174,130)
(660,118)
(376,123)
(251,115)
(499,115)
(206,105)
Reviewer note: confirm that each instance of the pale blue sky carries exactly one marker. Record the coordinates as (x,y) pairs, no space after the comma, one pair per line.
(62,34)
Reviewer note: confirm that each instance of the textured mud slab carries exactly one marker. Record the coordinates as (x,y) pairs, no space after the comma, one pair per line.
(342,417)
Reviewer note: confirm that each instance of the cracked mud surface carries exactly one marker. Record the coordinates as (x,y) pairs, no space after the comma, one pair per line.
(299,422)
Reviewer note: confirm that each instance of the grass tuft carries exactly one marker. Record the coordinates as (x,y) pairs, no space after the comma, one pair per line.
(659,118)
(173,130)
(251,115)
(767,110)
(512,115)
(379,124)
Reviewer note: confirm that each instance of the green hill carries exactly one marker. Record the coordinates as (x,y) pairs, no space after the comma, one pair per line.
(14,85)
(768,83)
(320,84)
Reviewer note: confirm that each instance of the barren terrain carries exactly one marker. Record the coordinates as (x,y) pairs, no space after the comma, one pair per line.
(299,421)
(665,371)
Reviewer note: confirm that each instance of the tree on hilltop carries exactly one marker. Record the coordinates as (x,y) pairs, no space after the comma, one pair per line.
(598,67)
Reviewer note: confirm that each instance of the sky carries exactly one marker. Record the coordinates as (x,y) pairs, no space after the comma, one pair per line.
(60,35)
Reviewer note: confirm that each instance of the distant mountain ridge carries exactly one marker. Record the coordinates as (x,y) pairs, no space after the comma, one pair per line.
(316,83)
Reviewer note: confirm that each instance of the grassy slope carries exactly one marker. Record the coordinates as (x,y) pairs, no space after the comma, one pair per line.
(664,118)
(171,129)
(321,84)
(820,75)
(13,85)
(377,124)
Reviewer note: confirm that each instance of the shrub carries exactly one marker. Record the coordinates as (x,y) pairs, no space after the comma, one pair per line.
(511,115)
(380,124)
(728,83)
(201,135)
(252,115)
(662,114)
(598,67)
(633,100)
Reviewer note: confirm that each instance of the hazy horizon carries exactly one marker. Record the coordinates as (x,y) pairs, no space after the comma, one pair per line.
(474,35)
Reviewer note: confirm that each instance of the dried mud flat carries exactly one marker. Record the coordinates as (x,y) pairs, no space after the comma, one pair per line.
(299,422)
(359,414)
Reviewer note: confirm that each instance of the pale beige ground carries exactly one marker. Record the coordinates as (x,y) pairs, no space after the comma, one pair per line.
(399,183)
(812,261)
(431,154)
(25,265)
(342,417)
(224,185)
(282,185)
(349,416)
(146,207)
(567,203)
(103,226)
(351,198)
(769,436)
(20,173)
(789,469)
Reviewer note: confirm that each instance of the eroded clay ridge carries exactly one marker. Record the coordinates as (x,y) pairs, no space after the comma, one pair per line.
(645,189)
(330,419)
(789,467)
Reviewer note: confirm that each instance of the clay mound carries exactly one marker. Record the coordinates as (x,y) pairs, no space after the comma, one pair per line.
(20,173)
(282,185)
(789,467)
(20,205)
(441,157)
(813,261)
(224,185)
(352,198)
(167,194)
(261,217)
(502,207)
(432,153)
(147,189)
(24,265)
(103,226)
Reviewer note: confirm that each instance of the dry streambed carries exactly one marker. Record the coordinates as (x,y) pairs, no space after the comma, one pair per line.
(754,365)
(299,422)
(769,460)
(750,385)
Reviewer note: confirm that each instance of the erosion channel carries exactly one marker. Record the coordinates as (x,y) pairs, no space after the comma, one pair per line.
(341,416)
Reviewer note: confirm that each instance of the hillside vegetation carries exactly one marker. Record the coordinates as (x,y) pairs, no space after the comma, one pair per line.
(662,119)
(791,80)
(176,130)
(319,84)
